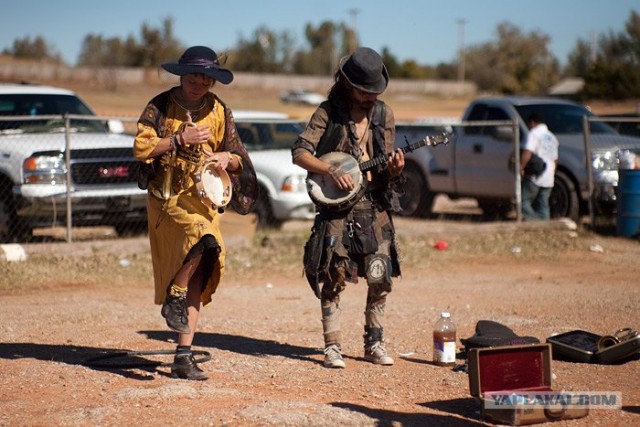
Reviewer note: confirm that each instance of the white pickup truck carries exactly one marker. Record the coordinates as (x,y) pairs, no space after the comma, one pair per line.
(476,163)
(34,193)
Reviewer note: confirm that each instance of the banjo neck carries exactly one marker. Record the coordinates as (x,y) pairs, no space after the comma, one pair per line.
(382,158)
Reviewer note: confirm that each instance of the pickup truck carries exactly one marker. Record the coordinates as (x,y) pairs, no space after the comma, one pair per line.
(477,163)
(103,186)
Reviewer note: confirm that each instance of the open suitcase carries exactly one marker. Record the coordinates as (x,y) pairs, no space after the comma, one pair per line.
(587,347)
(514,371)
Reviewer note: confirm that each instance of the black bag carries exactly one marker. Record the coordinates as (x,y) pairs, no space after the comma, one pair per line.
(535,166)
(145,174)
(361,232)
(313,256)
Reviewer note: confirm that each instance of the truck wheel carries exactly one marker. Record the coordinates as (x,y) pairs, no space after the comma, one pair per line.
(495,209)
(11,228)
(131,229)
(563,202)
(5,215)
(417,200)
(266,218)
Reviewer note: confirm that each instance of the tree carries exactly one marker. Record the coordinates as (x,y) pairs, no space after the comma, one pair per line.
(157,45)
(261,54)
(38,48)
(322,58)
(516,63)
(610,70)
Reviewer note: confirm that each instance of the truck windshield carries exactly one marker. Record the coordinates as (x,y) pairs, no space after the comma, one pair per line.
(564,119)
(35,105)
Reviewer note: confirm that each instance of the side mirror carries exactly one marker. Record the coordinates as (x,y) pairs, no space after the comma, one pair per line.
(115,126)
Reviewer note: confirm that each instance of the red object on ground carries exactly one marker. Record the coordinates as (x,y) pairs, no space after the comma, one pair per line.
(441,245)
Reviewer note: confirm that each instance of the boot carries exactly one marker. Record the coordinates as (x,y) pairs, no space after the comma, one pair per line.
(174,310)
(374,350)
(185,367)
(332,335)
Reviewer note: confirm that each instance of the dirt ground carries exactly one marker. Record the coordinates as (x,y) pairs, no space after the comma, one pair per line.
(68,303)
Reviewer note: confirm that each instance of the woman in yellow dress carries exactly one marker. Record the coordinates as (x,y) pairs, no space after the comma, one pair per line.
(179,131)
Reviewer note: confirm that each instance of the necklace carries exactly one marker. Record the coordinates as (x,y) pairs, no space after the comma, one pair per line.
(190,110)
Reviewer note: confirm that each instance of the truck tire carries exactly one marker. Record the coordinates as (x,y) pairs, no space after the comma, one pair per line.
(417,200)
(12,230)
(5,215)
(262,208)
(131,229)
(564,202)
(495,209)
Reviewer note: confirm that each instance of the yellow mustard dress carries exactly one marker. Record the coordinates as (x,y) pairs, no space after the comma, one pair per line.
(178,223)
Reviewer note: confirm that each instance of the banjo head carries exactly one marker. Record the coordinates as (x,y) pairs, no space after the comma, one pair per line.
(323,190)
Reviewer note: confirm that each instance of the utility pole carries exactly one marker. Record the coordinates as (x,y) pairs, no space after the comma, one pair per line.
(461,23)
(354,16)
(593,55)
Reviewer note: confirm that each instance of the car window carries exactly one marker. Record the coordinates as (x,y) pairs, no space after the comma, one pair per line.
(46,105)
(269,134)
(564,119)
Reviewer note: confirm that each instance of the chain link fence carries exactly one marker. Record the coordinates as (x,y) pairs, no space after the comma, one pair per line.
(474,176)
(74,177)
(62,174)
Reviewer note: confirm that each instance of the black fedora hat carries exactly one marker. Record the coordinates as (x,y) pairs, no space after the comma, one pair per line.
(199,60)
(365,70)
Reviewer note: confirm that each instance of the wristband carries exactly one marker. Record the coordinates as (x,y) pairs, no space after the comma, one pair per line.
(172,142)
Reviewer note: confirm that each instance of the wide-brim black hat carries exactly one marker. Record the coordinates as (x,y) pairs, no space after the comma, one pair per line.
(365,70)
(200,60)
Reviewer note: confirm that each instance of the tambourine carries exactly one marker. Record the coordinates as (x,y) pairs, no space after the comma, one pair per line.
(214,187)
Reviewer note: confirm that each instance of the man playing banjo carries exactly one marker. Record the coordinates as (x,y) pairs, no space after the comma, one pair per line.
(353,234)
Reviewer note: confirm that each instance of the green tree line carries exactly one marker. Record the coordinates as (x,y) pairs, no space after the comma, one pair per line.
(513,63)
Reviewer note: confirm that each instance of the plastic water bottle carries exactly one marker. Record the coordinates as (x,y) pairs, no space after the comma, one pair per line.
(444,341)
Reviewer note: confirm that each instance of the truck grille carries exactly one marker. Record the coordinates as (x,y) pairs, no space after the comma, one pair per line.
(103,166)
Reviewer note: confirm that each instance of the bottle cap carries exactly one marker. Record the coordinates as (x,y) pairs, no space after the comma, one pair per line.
(445,314)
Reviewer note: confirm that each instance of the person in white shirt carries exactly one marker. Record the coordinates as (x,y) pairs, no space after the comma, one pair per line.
(536,189)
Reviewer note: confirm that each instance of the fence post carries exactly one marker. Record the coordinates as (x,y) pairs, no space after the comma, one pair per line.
(518,180)
(586,131)
(67,162)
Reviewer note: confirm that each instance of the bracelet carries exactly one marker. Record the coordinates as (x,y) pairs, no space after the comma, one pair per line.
(179,140)
(172,142)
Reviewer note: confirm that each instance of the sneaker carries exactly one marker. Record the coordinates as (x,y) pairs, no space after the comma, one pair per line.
(174,310)
(185,367)
(333,357)
(377,354)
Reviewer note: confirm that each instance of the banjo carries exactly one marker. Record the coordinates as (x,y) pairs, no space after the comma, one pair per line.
(326,194)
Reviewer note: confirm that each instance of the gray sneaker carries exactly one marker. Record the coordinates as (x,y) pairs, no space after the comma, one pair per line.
(377,354)
(333,357)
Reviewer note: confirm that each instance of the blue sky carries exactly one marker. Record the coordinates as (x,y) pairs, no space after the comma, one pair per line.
(424,30)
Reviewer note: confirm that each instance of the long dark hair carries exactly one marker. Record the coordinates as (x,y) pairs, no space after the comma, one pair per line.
(339,96)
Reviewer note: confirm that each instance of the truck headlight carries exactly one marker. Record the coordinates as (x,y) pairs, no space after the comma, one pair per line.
(44,169)
(604,161)
(294,184)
